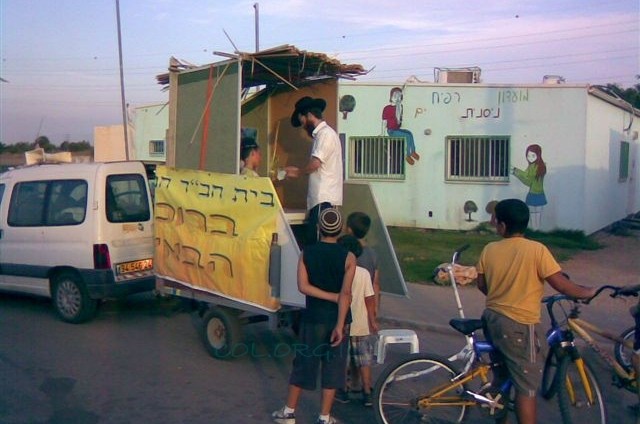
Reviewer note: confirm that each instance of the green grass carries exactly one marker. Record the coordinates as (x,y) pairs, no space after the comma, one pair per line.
(420,251)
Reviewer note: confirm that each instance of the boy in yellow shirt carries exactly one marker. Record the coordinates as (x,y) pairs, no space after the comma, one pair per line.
(511,273)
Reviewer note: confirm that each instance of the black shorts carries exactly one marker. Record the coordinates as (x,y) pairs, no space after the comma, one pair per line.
(314,350)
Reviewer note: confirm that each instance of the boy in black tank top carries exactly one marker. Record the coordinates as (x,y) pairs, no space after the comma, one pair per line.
(325,274)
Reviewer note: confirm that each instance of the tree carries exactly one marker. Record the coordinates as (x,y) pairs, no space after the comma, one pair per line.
(80,146)
(20,147)
(469,208)
(43,141)
(631,94)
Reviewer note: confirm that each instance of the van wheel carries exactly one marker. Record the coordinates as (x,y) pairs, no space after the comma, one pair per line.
(221,332)
(71,300)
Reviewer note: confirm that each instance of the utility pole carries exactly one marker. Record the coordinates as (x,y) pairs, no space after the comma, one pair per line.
(125,121)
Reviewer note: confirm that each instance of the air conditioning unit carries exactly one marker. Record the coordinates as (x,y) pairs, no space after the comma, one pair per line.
(453,76)
(38,155)
(553,79)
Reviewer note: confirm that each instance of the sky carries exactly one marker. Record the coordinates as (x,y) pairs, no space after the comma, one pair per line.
(61,58)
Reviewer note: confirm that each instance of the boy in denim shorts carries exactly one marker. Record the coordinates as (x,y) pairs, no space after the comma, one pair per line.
(511,273)
(363,323)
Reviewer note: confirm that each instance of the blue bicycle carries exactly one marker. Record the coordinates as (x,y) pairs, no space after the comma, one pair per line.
(426,388)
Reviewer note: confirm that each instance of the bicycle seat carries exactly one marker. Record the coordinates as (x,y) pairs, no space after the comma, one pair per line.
(466,325)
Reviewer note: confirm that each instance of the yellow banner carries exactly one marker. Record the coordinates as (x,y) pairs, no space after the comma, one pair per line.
(213,232)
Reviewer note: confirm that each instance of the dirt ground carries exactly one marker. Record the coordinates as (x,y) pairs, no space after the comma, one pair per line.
(618,263)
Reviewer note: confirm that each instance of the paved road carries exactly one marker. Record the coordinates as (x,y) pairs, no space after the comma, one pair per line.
(141,361)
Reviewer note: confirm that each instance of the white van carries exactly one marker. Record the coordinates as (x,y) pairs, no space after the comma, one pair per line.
(76,233)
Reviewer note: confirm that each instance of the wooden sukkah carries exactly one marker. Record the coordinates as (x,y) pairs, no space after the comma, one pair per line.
(284,64)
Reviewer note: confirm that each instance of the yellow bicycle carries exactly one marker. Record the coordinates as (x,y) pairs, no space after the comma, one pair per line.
(426,388)
(567,374)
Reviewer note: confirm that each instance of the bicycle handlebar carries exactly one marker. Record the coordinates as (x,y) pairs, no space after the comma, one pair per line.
(549,301)
(458,252)
(600,290)
(617,291)
(626,291)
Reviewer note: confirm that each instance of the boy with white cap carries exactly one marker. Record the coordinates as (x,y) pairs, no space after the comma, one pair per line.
(325,276)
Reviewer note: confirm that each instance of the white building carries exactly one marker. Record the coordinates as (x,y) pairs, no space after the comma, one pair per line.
(147,136)
(470,136)
(150,137)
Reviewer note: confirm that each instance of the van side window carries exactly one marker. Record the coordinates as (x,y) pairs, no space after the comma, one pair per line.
(48,203)
(1,192)
(67,203)
(126,198)
(27,204)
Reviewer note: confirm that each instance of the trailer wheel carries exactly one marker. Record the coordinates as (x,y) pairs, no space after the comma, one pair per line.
(221,332)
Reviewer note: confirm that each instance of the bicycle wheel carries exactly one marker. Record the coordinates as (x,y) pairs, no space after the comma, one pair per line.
(623,351)
(579,394)
(414,390)
(550,374)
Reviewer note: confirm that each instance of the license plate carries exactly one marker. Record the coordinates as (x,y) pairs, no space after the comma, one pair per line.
(134,266)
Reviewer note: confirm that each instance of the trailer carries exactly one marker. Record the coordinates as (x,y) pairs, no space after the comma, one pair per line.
(229,242)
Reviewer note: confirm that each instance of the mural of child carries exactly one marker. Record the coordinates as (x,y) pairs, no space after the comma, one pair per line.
(533,177)
(392,123)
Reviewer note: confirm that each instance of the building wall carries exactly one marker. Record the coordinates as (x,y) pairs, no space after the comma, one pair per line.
(579,133)
(108,142)
(552,116)
(151,123)
(607,195)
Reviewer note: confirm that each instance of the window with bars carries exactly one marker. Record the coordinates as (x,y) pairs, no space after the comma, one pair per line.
(478,158)
(376,158)
(156,147)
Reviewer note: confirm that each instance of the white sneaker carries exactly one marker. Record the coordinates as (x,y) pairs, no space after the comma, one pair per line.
(330,421)
(281,418)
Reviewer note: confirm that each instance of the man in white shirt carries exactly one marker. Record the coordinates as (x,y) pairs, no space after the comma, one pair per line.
(325,164)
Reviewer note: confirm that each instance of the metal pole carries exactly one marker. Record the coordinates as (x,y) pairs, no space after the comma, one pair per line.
(256,6)
(125,121)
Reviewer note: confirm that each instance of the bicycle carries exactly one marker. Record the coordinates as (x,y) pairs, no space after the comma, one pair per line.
(426,388)
(566,373)
(623,348)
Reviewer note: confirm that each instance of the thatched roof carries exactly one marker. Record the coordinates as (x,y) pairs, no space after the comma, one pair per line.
(280,65)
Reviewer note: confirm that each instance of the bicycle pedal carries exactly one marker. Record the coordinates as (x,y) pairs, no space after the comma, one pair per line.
(468,395)
(620,382)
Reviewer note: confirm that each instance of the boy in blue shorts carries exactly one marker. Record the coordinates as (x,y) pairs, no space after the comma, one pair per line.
(363,323)
(511,273)
(358,225)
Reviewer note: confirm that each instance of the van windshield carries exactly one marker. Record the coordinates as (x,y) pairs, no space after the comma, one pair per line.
(126,198)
